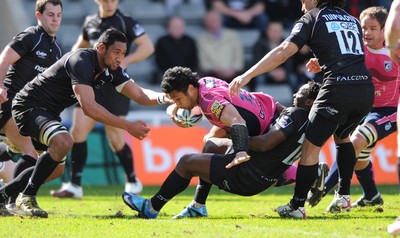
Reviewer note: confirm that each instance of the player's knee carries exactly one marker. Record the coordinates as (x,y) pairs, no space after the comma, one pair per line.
(184,165)
(367,133)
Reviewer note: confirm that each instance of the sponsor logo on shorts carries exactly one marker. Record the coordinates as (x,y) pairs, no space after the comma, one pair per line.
(332,111)
(272,180)
(388,126)
(226,185)
(352,78)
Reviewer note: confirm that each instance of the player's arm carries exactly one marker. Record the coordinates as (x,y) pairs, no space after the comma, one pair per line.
(268,141)
(144,48)
(143,96)
(81,43)
(239,134)
(8,57)
(85,96)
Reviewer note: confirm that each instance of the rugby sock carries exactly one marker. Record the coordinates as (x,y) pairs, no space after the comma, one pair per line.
(202,191)
(346,160)
(173,185)
(5,152)
(332,179)
(305,177)
(26,161)
(78,160)
(44,167)
(18,184)
(366,179)
(126,160)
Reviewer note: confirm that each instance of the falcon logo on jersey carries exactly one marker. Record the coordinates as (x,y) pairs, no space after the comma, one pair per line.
(388,65)
(216,108)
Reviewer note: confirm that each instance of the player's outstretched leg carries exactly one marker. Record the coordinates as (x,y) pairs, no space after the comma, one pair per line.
(140,205)
(317,190)
(192,210)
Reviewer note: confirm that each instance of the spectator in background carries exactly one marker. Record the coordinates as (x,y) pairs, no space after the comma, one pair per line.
(220,49)
(170,5)
(272,36)
(242,13)
(175,49)
(286,11)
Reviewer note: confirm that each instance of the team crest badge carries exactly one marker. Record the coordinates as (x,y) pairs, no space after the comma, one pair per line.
(388,66)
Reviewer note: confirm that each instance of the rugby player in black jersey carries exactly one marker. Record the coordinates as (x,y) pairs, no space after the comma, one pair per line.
(74,78)
(109,16)
(347,94)
(270,155)
(28,54)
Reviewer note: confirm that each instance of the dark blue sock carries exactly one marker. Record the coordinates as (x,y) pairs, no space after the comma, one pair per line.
(332,179)
(367,182)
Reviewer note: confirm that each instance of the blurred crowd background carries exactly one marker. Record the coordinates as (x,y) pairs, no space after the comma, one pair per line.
(189,33)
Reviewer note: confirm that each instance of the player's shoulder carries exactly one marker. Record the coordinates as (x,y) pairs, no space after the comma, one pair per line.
(124,15)
(295,112)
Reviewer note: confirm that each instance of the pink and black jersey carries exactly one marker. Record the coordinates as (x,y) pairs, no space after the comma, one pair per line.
(256,109)
(385,76)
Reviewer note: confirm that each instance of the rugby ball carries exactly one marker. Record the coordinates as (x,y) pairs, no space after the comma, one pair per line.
(186,118)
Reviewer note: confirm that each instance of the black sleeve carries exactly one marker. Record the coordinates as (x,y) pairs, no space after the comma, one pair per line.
(120,76)
(23,43)
(134,29)
(301,32)
(286,122)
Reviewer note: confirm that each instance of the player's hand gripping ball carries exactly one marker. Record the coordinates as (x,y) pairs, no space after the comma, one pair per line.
(183,117)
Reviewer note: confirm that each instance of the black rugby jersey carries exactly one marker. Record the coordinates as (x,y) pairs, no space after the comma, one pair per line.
(53,88)
(94,26)
(335,38)
(37,50)
(292,122)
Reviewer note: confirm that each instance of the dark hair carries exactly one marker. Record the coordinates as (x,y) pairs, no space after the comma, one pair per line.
(331,3)
(41,4)
(178,79)
(110,36)
(313,89)
(378,13)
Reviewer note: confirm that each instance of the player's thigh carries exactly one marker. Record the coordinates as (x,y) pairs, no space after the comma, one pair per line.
(82,125)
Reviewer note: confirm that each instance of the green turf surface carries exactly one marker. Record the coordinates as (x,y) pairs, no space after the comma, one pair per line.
(102,213)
